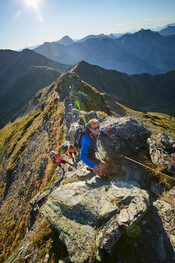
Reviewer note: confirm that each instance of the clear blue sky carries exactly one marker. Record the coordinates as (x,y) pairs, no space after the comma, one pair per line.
(24,23)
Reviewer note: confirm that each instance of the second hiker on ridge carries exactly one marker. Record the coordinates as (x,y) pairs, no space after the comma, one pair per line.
(88,147)
(72,151)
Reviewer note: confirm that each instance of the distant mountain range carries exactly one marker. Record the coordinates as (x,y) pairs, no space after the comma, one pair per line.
(158,29)
(142,92)
(66,40)
(143,51)
(22,74)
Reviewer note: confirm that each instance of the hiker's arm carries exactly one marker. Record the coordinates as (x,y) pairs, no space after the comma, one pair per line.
(85,143)
(105,130)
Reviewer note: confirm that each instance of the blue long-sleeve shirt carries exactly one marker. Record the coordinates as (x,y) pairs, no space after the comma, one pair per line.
(85,143)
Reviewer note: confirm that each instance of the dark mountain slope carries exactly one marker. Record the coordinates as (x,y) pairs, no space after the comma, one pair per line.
(144,51)
(27,57)
(22,74)
(156,50)
(140,92)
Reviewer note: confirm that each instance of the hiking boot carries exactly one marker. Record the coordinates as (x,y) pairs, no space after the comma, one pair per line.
(104,177)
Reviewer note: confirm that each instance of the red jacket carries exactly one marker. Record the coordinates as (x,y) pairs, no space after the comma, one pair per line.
(57,159)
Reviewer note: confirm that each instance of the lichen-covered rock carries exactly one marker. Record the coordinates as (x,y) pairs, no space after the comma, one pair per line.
(165,141)
(162,152)
(77,209)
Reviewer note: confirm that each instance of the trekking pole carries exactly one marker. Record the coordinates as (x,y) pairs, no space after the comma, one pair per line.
(145,166)
(148,167)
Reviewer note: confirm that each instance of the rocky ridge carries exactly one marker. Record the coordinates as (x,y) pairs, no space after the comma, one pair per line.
(96,217)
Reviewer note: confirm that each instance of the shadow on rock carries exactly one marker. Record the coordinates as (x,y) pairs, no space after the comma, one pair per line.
(79,214)
(146,242)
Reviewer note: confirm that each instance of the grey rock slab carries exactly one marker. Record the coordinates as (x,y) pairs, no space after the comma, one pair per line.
(77,209)
(77,237)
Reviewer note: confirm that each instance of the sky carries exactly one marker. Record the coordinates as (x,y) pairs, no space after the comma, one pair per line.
(25,23)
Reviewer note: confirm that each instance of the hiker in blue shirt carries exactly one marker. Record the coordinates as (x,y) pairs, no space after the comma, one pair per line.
(88,147)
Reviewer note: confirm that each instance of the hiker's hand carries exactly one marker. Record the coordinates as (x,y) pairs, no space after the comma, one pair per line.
(106,130)
(96,169)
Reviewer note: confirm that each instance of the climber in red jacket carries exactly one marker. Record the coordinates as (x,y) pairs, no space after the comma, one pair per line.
(58,160)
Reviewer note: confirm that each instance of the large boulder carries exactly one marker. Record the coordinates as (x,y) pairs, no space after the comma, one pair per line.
(94,213)
(162,152)
(126,136)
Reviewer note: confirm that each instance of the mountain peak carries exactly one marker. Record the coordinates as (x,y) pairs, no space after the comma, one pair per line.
(65,41)
(147,31)
(142,33)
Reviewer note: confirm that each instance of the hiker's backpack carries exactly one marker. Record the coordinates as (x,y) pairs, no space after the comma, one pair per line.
(80,131)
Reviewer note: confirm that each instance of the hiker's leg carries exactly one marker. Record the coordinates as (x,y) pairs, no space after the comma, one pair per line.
(97,162)
(71,155)
(64,162)
(60,166)
(102,167)
(69,163)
